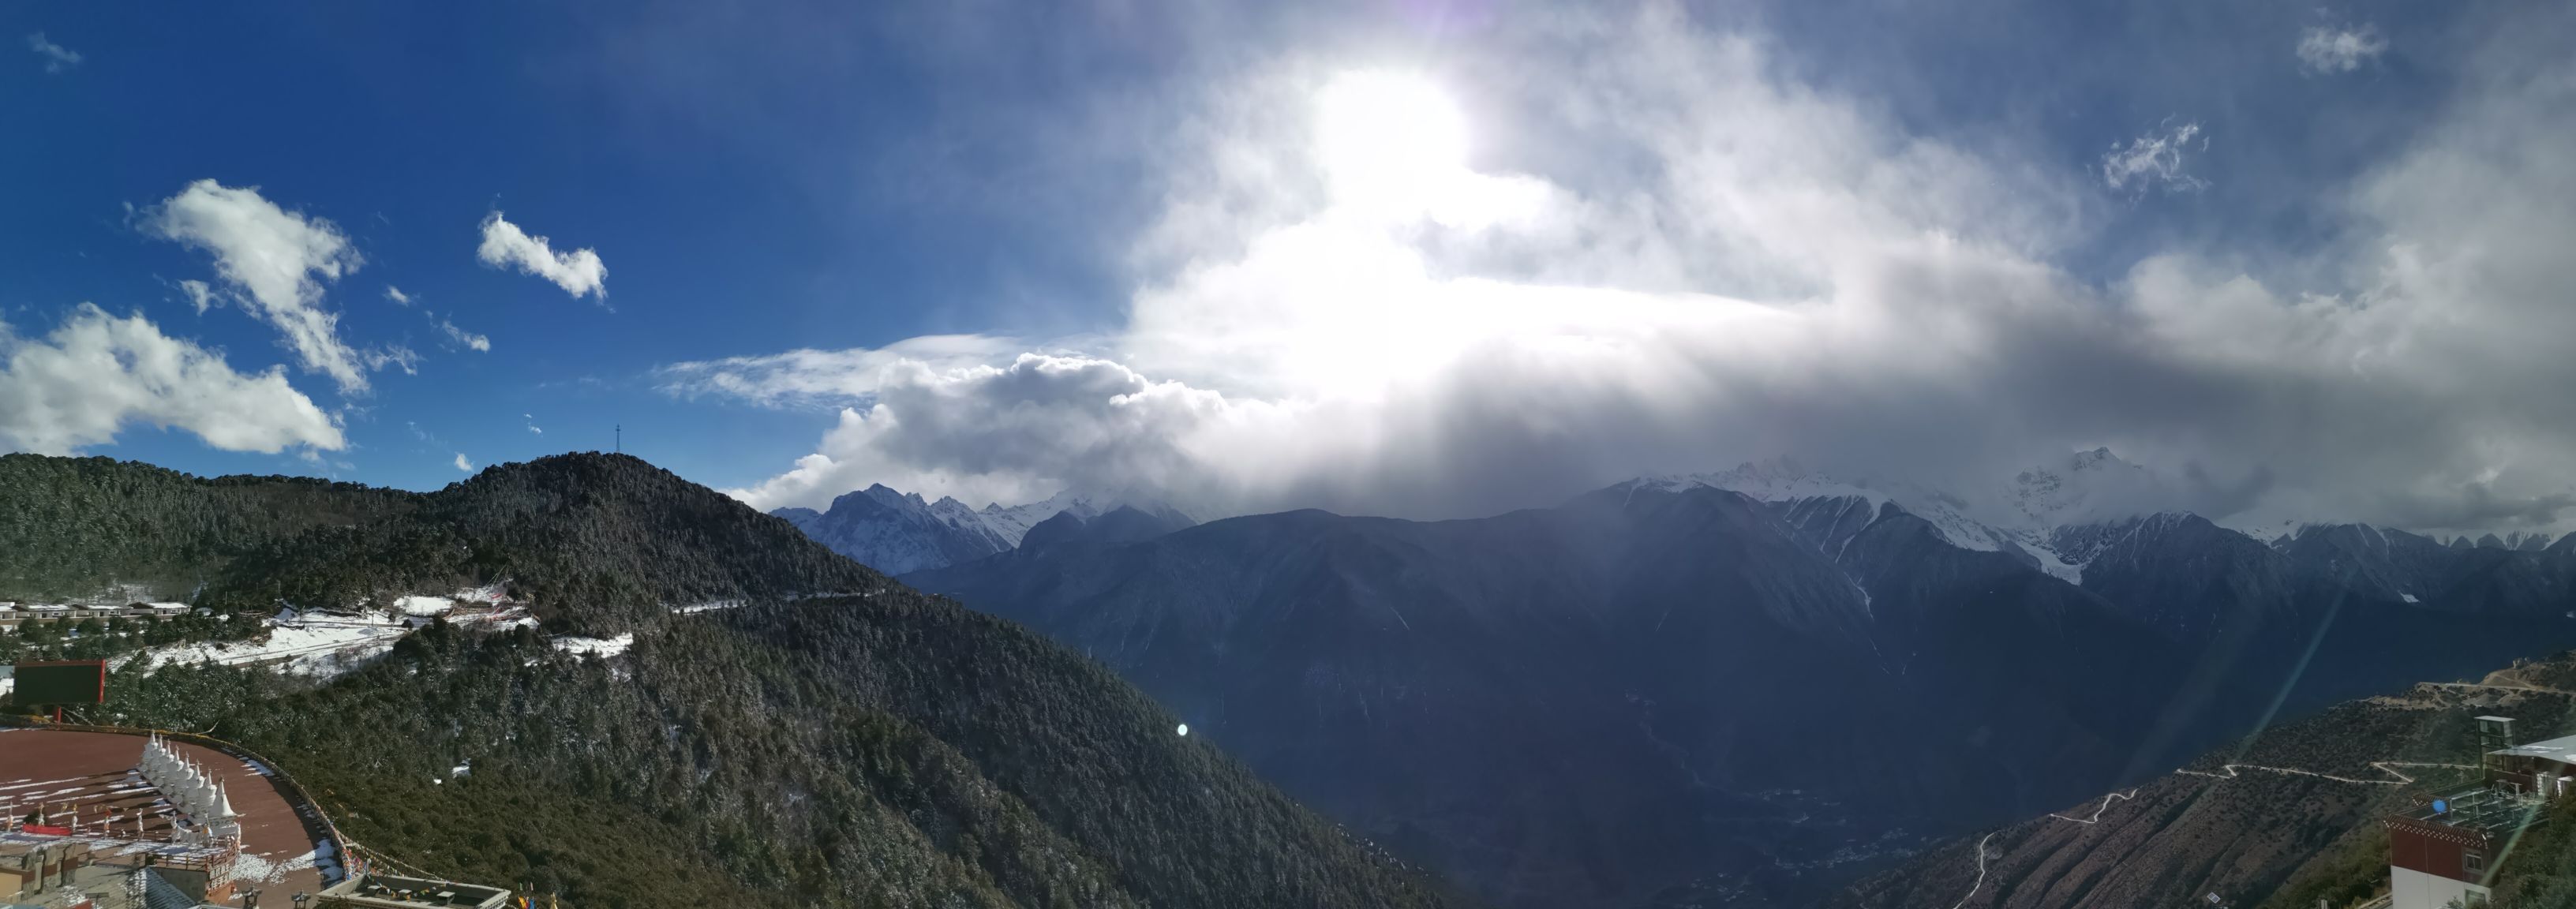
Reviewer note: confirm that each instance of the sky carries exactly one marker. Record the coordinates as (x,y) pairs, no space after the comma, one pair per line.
(1426,258)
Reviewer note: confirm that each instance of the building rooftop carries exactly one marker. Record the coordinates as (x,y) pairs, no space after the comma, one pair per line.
(2481,809)
(2557,749)
(385,891)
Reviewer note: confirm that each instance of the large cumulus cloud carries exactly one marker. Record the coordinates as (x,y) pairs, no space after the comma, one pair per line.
(1658,253)
(96,373)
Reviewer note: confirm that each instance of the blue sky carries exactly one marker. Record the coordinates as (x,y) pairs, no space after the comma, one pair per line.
(1111,245)
(737,214)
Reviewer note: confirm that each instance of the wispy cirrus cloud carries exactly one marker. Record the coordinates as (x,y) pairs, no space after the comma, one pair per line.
(57,57)
(2156,160)
(199,294)
(463,338)
(2325,50)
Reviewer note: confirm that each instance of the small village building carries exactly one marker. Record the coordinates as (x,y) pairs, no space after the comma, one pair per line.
(2444,852)
(385,891)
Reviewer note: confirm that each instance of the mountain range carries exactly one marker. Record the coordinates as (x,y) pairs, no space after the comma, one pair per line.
(1747,688)
(897,532)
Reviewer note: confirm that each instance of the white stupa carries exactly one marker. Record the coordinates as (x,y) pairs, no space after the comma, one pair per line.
(204,803)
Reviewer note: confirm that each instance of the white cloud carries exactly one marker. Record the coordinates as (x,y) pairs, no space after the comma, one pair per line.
(57,57)
(828,377)
(463,464)
(578,272)
(96,374)
(1770,269)
(2155,160)
(199,295)
(463,337)
(459,336)
(1010,433)
(532,424)
(2325,50)
(278,260)
(394,355)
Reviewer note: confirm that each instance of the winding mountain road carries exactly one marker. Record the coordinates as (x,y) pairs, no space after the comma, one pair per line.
(2227,772)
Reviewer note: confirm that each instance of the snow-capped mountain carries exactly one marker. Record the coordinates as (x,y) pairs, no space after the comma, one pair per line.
(1013,523)
(1785,480)
(2024,517)
(2122,529)
(2089,487)
(899,532)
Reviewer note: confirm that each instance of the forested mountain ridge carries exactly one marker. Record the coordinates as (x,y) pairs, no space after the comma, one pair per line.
(74,527)
(792,748)
(600,542)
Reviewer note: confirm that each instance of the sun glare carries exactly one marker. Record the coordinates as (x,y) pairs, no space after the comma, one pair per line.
(1389,140)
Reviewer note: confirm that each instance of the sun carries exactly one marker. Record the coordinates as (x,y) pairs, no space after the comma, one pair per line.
(1389,139)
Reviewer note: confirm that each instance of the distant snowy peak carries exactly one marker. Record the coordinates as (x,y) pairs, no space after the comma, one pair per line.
(2089,487)
(898,532)
(2520,541)
(2366,537)
(1013,523)
(2062,515)
(2023,516)
(1782,480)
(1785,480)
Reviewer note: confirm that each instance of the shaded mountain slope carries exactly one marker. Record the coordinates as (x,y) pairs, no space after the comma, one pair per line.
(1614,701)
(1670,693)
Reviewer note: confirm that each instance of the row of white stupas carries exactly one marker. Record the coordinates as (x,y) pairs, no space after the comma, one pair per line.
(199,796)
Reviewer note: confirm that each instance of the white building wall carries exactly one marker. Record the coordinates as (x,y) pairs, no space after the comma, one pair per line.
(2416,890)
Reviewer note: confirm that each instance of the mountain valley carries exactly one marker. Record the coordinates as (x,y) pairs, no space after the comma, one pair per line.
(1667,683)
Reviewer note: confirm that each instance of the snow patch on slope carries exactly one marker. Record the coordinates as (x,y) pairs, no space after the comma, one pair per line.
(321,649)
(425,606)
(602,648)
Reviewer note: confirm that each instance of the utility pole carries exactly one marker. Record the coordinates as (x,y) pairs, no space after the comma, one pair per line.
(621,438)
